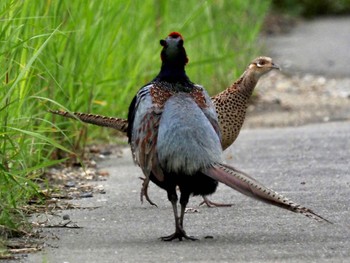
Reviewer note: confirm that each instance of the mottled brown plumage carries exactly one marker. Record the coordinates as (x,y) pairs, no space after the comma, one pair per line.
(231,104)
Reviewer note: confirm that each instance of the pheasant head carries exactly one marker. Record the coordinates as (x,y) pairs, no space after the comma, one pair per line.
(261,66)
(174,59)
(173,49)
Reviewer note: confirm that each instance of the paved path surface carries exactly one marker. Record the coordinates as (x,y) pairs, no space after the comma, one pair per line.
(309,164)
(318,47)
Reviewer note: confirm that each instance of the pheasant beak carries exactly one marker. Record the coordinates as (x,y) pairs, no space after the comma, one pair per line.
(275,66)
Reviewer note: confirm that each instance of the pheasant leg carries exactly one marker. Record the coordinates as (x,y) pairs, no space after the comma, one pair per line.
(179,231)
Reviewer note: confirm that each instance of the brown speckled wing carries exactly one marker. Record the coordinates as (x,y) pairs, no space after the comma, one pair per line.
(148,109)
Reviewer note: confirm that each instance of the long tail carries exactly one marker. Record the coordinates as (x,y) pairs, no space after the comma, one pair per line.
(247,185)
(104,121)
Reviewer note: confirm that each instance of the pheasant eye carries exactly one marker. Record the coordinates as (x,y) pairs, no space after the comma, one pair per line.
(260,63)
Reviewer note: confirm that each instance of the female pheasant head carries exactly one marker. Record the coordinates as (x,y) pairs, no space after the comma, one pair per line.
(261,66)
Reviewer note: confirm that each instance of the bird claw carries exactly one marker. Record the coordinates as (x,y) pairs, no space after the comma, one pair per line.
(144,192)
(213,204)
(179,234)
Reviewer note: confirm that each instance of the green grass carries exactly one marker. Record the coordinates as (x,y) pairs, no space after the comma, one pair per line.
(92,56)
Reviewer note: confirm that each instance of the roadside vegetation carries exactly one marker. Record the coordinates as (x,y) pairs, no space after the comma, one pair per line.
(92,56)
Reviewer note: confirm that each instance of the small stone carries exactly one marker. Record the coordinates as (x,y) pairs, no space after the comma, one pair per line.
(100,189)
(94,149)
(92,163)
(191,210)
(86,195)
(69,184)
(106,152)
(66,217)
(103,173)
(277,101)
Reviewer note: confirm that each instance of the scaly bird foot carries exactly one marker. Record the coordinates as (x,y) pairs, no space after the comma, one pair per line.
(213,204)
(179,234)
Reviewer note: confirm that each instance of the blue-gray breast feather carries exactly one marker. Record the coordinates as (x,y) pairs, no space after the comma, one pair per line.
(187,140)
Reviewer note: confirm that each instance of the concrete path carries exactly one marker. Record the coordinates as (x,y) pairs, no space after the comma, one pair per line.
(320,46)
(309,164)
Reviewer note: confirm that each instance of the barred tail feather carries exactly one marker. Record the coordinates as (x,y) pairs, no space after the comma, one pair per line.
(247,185)
(104,121)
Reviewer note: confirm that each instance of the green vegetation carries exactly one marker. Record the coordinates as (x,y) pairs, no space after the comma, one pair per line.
(92,56)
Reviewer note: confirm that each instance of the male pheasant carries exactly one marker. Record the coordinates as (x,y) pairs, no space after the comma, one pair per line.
(174,136)
(231,105)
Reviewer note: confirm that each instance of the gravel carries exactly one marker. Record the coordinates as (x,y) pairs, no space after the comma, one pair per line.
(293,100)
